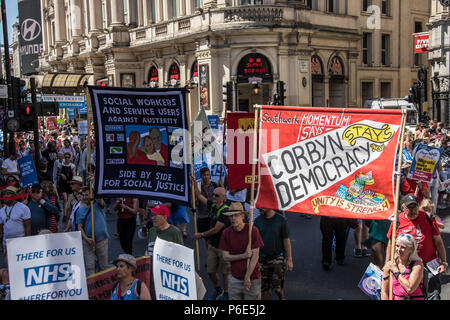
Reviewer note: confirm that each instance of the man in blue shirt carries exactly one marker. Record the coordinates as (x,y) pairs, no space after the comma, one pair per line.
(97,248)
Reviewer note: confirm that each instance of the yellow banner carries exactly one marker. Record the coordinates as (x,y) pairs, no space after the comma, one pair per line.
(367,132)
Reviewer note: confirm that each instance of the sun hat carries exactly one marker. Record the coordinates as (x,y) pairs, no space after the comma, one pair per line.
(127,258)
(235,207)
(161,209)
(11,189)
(76,179)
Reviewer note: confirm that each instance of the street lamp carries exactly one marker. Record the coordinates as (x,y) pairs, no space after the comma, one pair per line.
(255,89)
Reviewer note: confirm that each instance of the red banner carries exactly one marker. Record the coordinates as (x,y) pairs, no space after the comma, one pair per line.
(240,150)
(328,161)
(421,42)
(101,285)
(52,124)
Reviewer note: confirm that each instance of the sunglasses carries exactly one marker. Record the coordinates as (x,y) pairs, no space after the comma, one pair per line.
(216,195)
(412,206)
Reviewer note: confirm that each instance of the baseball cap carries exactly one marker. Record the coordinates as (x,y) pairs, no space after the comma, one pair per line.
(161,209)
(36,187)
(410,199)
(127,258)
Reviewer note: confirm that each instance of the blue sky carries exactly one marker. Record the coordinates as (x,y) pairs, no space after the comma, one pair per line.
(12,13)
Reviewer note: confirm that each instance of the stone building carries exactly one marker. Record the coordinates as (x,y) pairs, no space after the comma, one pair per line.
(439,57)
(328,52)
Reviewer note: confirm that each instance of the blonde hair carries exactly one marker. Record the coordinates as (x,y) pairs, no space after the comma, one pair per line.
(426,203)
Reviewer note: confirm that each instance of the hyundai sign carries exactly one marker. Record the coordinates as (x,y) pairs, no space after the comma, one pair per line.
(30,40)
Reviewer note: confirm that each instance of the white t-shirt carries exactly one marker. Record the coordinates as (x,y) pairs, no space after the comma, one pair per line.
(10,166)
(12,219)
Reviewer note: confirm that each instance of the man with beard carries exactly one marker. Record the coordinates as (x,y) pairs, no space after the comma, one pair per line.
(15,217)
(276,255)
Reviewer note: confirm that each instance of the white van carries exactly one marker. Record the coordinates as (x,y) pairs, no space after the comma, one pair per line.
(412,115)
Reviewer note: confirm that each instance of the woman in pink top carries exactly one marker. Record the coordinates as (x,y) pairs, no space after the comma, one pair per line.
(407,269)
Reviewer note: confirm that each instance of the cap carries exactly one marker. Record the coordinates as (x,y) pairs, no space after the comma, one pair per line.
(36,187)
(161,209)
(127,258)
(77,179)
(410,199)
(235,207)
(11,189)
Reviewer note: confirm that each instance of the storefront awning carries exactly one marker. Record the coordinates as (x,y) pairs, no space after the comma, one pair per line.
(64,82)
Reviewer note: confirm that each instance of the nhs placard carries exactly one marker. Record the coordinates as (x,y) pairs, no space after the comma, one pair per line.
(173,271)
(47,267)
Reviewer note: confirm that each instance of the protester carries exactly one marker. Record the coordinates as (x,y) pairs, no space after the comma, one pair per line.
(218,223)
(98,247)
(275,257)
(68,148)
(179,217)
(41,210)
(361,234)
(245,278)
(87,160)
(73,197)
(407,270)
(127,210)
(428,206)
(50,154)
(10,167)
(49,191)
(15,217)
(162,229)
(128,287)
(207,190)
(426,232)
(43,173)
(378,240)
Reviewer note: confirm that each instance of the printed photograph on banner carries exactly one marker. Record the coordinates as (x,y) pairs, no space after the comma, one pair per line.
(332,162)
(47,267)
(140,135)
(147,145)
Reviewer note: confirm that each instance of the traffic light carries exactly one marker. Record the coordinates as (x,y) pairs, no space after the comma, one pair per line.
(17,86)
(28,117)
(228,95)
(414,96)
(280,91)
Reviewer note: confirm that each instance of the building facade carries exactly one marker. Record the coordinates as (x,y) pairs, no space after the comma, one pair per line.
(335,53)
(439,57)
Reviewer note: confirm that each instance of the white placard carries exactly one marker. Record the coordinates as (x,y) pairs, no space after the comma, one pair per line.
(83,128)
(173,271)
(47,267)
(3,91)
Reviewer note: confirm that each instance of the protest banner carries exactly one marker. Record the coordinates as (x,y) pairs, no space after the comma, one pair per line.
(28,175)
(239,139)
(47,267)
(140,142)
(52,124)
(101,285)
(425,161)
(205,150)
(370,282)
(328,161)
(173,271)
(83,128)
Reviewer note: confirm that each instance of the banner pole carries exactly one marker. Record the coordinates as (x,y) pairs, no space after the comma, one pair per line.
(252,190)
(223,145)
(194,207)
(91,194)
(396,199)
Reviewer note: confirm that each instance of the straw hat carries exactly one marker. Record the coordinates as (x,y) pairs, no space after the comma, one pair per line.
(77,179)
(127,258)
(11,189)
(235,207)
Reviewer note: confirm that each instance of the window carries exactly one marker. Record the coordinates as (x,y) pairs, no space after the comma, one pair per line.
(126,12)
(247,2)
(198,3)
(385,7)
(174,9)
(417,56)
(385,52)
(333,6)
(104,14)
(385,88)
(152,10)
(366,4)
(366,91)
(312,4)
(367,49)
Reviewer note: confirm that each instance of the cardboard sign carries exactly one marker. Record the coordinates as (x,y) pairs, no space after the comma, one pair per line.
(47,267)
(425,162)
(139,143)
(27,171)
(328,161)
(173,271)
(101,285)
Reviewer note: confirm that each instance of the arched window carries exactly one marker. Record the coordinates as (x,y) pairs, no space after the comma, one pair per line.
(174,75)
(153,77)
(336,67)
(194,73)
(254,66)
(316,66)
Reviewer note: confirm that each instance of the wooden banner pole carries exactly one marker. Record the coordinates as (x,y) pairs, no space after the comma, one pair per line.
(91,193)
(396,199)
(194,206)
(252,191)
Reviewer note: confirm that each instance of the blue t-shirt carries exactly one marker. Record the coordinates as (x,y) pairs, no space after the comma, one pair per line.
(129,295)
(100,227)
